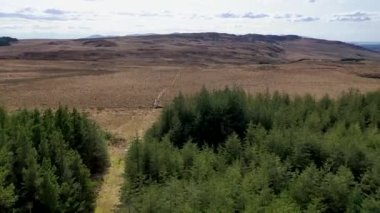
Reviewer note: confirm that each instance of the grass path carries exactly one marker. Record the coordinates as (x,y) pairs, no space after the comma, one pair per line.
(126,124)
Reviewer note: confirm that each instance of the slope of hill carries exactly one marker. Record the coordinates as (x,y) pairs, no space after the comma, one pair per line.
(191,48)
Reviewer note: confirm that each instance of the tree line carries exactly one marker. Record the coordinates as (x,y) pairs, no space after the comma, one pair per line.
(6,41)
(227,151)
(49,161)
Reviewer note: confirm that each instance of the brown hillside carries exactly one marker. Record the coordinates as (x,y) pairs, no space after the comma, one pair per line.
(134,71)
(201,48)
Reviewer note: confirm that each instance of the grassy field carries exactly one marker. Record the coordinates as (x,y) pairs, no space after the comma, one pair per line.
(49,84)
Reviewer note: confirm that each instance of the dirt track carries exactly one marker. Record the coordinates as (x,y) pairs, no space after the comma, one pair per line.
(126,125)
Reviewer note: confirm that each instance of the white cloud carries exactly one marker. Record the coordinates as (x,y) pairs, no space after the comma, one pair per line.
(34,14)
(248,15)
(255,16)
(353,17)
(228,15)
(53,11)
(306,19)
(120,17)
(297,17)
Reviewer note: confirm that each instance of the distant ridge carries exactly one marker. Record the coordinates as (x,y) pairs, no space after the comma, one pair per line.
(99,36)
(374,46)
(213,36)
(190,48)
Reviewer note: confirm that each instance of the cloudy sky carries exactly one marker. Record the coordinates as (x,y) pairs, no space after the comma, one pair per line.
(346,20)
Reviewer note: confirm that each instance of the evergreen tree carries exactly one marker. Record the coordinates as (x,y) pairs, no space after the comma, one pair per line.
(41,168)
(226,151)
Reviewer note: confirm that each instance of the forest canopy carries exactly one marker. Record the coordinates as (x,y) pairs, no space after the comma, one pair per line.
(227,151)
(49,161)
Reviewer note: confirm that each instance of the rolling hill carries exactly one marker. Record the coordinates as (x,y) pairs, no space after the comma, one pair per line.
(136,71)
(191,48)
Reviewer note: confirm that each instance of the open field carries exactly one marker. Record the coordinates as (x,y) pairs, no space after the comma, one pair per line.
(118,86)
(131,72)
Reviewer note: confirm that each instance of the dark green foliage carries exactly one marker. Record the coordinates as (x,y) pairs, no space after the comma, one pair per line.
(207,119)
(47,160)
(226,151)
(6,41)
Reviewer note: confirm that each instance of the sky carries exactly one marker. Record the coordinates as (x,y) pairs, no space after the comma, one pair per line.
(344,20)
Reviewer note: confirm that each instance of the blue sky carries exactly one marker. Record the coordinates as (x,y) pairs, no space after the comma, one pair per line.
(345,20)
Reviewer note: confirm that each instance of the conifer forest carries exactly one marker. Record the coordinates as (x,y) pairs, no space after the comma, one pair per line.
(227,151)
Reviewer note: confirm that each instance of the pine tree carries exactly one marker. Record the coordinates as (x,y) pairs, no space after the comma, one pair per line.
(8,197)
(48,192)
